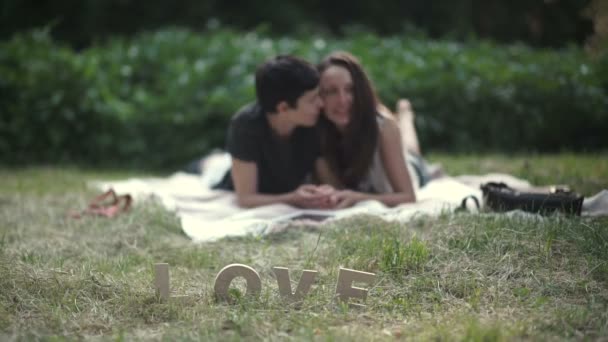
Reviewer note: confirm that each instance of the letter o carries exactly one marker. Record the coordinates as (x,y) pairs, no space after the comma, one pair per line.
(228,273)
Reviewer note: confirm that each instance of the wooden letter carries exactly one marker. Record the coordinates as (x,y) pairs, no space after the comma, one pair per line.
(161,280)
(228,273)
(344,288)
(306,280)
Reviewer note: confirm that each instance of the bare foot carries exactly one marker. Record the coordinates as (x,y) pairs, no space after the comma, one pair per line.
(404,109)
(405,116)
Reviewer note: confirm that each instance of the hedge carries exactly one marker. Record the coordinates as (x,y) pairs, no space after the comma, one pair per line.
(162,98)
(555,23)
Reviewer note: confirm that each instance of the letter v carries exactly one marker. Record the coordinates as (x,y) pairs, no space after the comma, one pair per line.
(284,282)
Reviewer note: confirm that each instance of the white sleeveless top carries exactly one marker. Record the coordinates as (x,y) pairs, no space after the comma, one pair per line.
(376,180)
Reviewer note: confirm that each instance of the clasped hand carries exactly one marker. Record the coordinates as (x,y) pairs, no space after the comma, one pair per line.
(324,196)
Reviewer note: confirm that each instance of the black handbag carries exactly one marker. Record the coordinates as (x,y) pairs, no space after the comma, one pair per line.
(501,197)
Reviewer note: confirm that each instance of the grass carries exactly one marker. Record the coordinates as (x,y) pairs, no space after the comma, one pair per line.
(481,277)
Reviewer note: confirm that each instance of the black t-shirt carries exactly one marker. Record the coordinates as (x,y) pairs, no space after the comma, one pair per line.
(283,163)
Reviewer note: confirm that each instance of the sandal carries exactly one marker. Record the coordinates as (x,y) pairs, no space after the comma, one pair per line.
(107,204)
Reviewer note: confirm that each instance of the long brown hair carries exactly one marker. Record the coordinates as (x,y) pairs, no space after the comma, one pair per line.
(350,153)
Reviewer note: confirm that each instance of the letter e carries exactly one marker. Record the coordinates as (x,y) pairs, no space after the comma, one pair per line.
(346,277)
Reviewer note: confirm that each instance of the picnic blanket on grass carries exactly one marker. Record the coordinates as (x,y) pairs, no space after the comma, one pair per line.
(208,214)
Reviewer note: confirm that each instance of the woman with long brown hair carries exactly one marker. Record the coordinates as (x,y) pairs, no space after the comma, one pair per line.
(362,146)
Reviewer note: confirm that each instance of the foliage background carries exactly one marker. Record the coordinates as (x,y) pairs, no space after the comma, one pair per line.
(538,22)
(154,85)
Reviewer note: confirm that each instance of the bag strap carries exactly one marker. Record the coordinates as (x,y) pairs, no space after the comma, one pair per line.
(463,204)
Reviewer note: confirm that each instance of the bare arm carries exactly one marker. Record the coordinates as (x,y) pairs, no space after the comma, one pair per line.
(245,179)
(405,121)
(393,160)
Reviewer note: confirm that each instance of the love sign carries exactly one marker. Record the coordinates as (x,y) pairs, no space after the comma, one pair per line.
(344,285)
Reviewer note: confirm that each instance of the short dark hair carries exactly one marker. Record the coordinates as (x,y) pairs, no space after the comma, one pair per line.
(284,78)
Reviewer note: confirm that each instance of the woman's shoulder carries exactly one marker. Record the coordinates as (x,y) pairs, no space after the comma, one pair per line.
(385,117)
(389,133)
(384,111)
(387,124)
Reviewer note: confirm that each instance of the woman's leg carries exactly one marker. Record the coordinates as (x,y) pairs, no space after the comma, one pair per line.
(405,118)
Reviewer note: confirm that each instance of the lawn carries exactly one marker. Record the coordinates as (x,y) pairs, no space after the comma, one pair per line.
(457,276)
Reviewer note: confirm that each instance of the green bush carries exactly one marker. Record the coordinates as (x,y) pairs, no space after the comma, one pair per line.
(49,111)
(83,21)
(162,98)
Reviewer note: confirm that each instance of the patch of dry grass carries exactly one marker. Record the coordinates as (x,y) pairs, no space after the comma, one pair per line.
(457,276)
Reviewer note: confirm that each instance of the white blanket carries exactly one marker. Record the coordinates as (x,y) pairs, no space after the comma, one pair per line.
(208,214)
